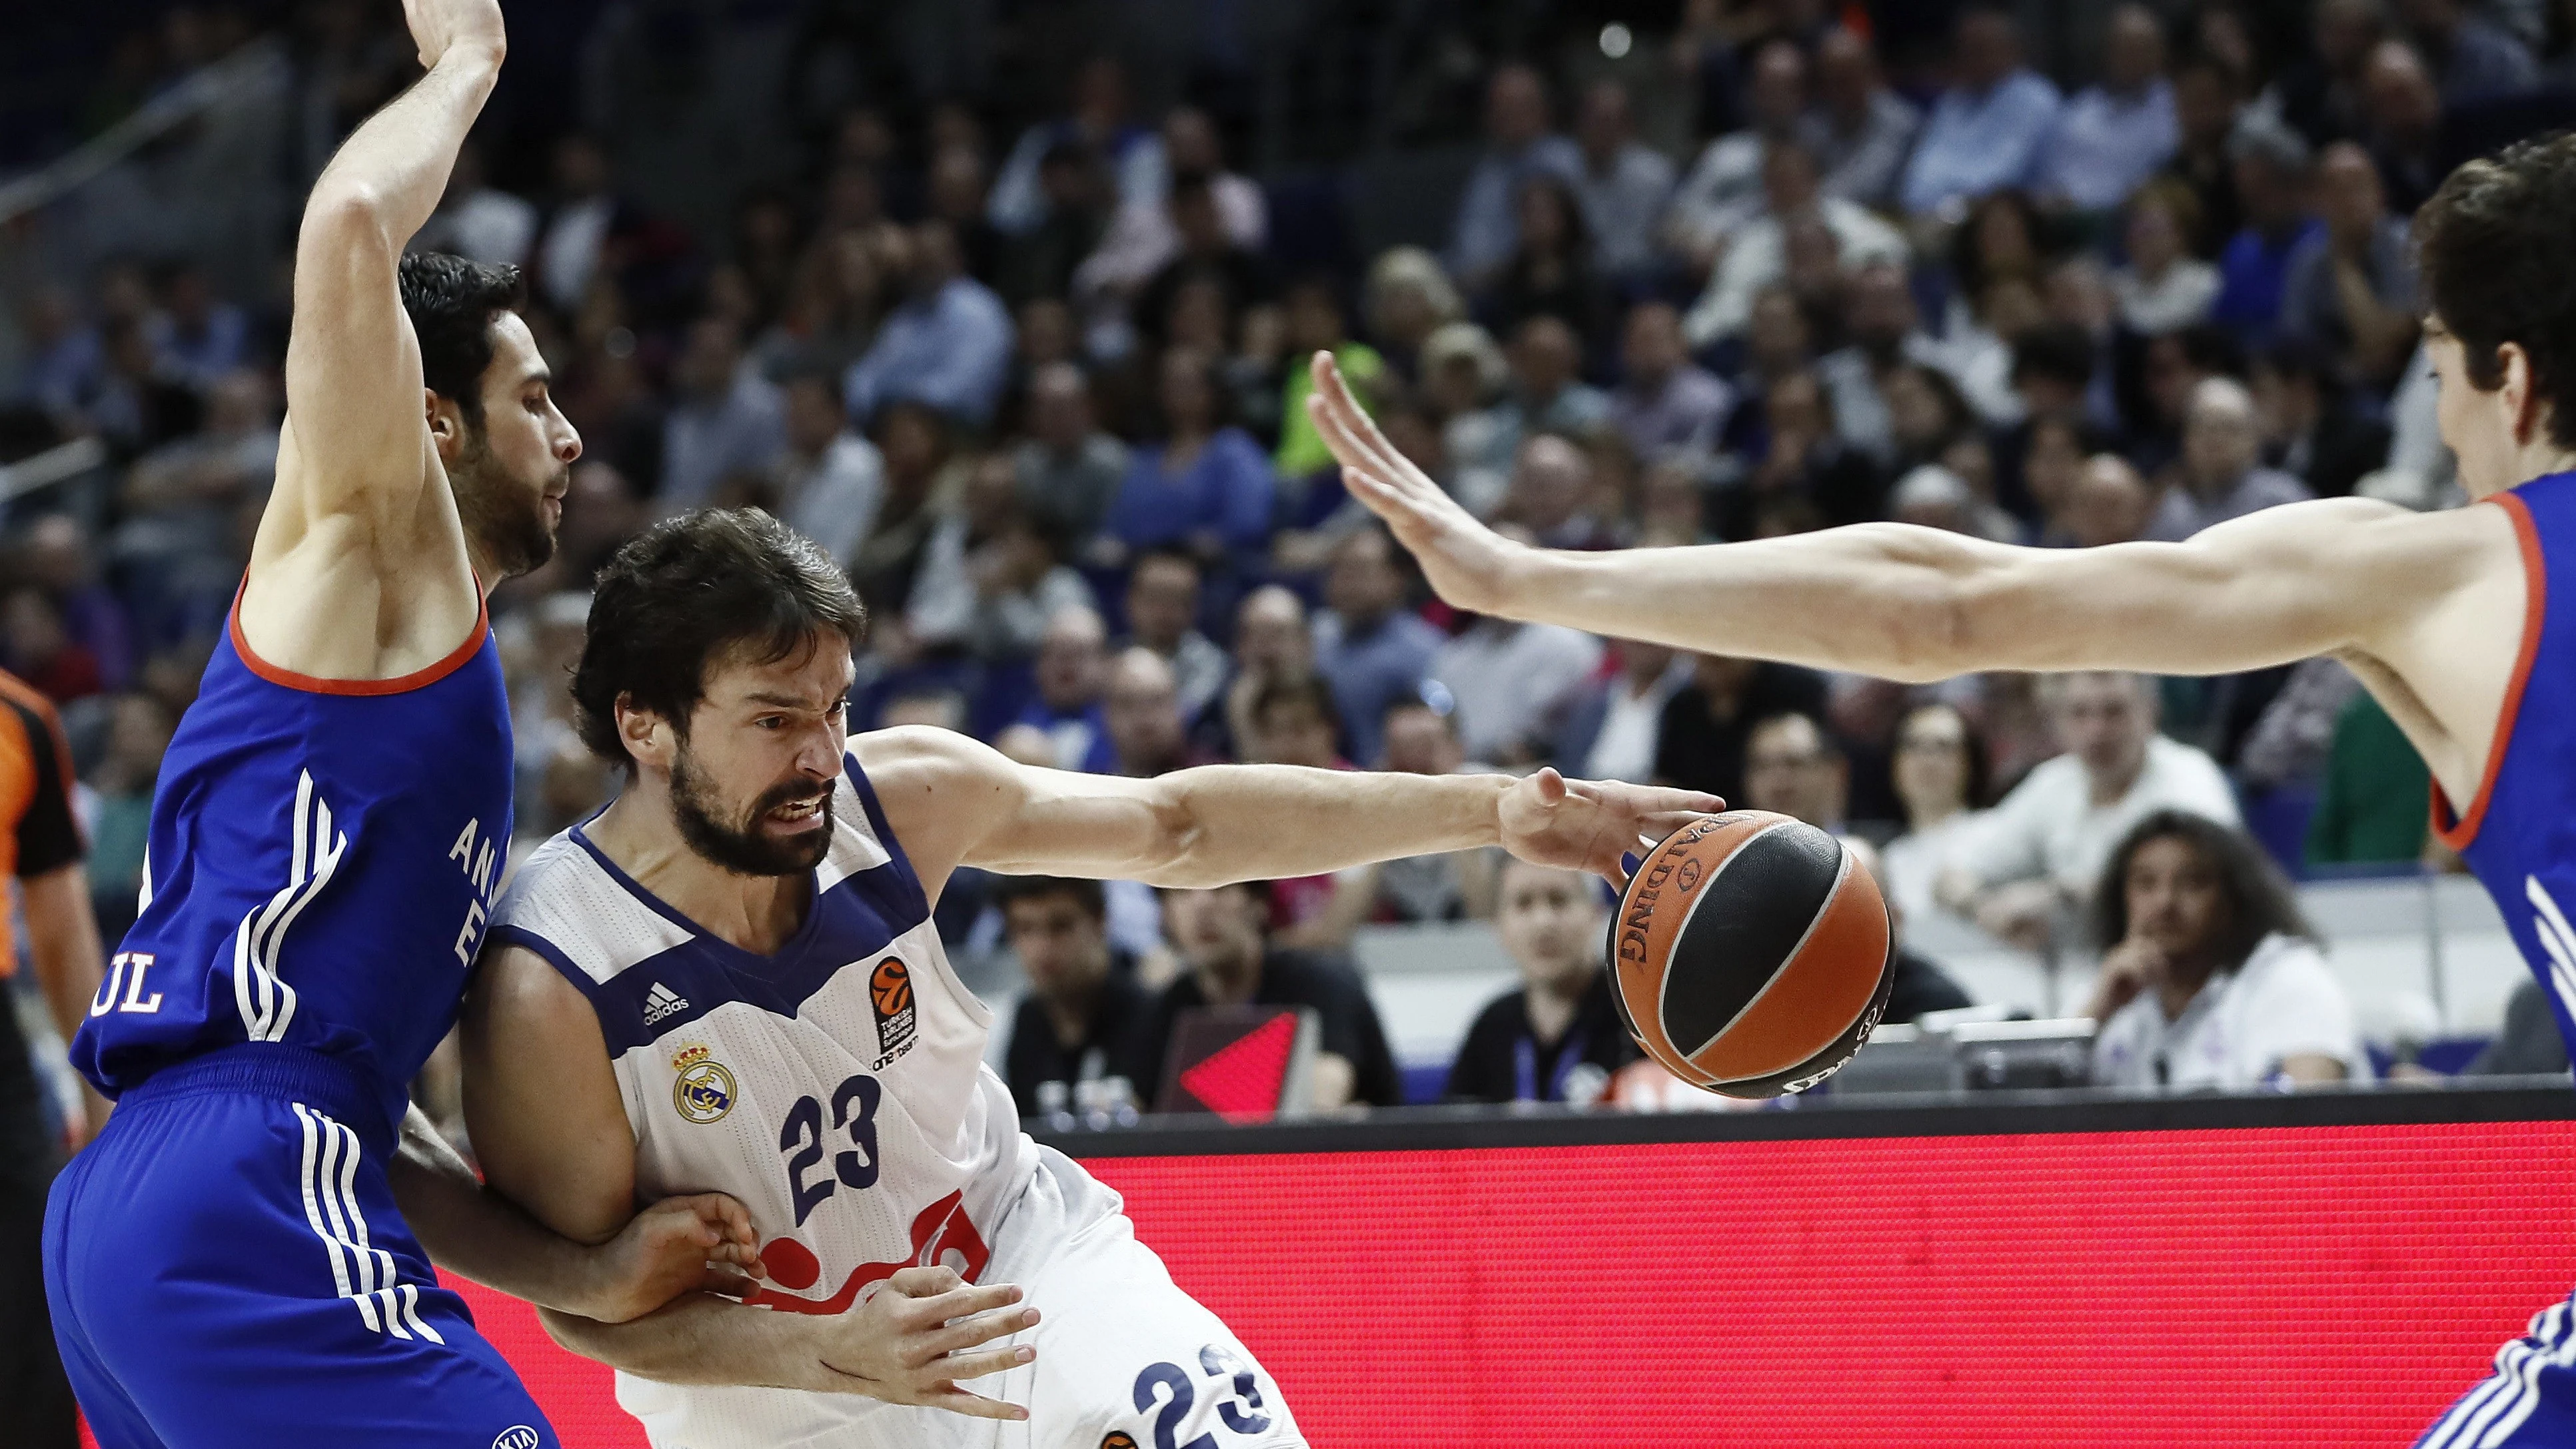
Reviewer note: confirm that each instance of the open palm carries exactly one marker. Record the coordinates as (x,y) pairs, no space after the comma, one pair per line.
(1468,563)
(1588,825)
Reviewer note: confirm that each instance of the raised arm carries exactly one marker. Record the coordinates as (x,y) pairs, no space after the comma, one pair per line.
(2418,603)
(957,802)
(360,552)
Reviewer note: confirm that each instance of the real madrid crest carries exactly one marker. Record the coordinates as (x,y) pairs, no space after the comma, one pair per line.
(704,1091)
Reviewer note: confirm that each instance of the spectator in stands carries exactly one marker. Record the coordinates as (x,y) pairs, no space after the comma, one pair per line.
(1548,394)
(1860,131)
(57,558)
(1314,323)
(2314,429)
(1987,130)
(1272,644)
(947,346)
(2022,872)
(1518,144)
(35,646)
(580,227)
(1206,486)
(1552,495)
(1723,189)
(2110,503)
(1462,373)
(828,479)
(959,197)
(1370,648)
(118,796)
(1148,730)
(2161,286)
(1921,985)
(1163,595)
(2370,800)
(1665,403)
(202,339)
(1097,122)
(991,581)
(1142,239)
(1623,184)
(2222,474)
(476,219)
(2114,135)
(1408,297)
(1807,462)
(2212,978)
(1793,768)
(1421,739)
(2351,287)
(2271,169)
(2206,102)
(1758,253)
(1611,727)
(913,443)
(1705,729)
(2319,91)
(2405,130)
(1072,676)
(1514,684)
(1085,1015)
(1208,257)
(1076,198)
(1885,331)
(1550,271)
(1558,1038)
(1941,773)
(1069,468)
(1218,934)
(2476,58)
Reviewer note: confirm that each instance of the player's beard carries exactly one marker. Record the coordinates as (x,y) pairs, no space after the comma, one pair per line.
(745,849)
(504,518)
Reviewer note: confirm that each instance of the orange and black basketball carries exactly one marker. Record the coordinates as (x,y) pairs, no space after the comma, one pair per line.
(890,987)
(1750,954)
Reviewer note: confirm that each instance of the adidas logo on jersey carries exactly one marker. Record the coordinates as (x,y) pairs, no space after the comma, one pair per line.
(661,1001)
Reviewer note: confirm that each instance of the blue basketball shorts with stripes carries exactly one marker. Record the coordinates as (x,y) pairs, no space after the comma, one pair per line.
(226,1268)
(2530,1400)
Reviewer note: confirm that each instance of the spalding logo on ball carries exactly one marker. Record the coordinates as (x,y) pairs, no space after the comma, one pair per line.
(1750,954)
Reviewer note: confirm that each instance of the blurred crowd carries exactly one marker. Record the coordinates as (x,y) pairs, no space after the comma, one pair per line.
(1041,391)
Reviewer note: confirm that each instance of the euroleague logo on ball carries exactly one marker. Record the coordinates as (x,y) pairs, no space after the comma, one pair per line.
(890,993)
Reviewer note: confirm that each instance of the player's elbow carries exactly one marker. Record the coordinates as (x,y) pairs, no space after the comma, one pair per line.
(342,218)
(1172,855)
(1924,605)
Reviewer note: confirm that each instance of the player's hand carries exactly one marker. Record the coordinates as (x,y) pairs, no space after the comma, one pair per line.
(920,1332)
(1588,825)
(1469,564)
(439,26)
(678,1245)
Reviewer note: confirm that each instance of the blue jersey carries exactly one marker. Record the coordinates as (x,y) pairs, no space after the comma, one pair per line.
(2519,832)
(322,857)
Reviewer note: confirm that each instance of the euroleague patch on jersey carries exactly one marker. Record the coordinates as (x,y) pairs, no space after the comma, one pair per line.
(890,993)
(704,1091)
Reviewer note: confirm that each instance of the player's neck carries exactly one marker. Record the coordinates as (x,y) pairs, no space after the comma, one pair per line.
(757,913)
(2538,460)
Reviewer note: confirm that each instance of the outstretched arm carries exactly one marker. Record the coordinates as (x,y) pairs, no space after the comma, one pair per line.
(360,546)
(957,802)
(2416,602)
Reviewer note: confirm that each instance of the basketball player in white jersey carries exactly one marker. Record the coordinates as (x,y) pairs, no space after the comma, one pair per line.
(2461,623)
(729,979)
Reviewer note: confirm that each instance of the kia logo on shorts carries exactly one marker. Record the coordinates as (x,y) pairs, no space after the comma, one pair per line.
(517,1436)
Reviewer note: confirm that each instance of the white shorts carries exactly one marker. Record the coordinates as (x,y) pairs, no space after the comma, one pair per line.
(1121,1351)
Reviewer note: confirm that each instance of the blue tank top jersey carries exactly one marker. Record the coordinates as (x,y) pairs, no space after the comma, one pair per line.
(2519,833)
(323,855)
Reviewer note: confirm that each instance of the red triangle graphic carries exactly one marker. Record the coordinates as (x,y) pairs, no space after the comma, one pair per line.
(1240,1081)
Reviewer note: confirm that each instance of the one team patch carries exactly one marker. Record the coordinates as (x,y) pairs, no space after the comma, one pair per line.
(890,993)
(704,1091)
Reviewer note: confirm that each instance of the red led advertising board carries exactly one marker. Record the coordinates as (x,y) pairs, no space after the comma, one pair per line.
(2265,1286)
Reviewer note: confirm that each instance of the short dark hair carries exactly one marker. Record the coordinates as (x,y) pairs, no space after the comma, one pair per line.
(1981,768)
(2055,352)
(452,301)
(681,593)
(1312,691)
(1009,890)
(2260,902)
(2492,244)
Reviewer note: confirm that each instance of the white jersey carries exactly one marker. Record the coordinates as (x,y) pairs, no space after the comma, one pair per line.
(837,1088)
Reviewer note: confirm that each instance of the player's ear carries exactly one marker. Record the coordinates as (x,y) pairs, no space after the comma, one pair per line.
(2522,403)
(647,736)
(446,426)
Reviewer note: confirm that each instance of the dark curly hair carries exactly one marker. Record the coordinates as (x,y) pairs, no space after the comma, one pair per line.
(452,302)
(680,594)
(2492,245)
(2260,901)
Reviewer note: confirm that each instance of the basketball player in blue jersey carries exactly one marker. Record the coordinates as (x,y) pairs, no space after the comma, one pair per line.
(2461,623)
(226,1263)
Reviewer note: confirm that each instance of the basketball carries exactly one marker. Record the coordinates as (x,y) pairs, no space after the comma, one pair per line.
(1751,954)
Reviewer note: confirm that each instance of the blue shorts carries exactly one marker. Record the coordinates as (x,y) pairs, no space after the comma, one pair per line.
(226,1268)
(2529,1402)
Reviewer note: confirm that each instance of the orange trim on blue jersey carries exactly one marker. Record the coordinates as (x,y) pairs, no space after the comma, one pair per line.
(2535,608)
(400,684)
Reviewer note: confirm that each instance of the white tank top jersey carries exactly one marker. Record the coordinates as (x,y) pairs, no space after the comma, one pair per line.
(837,1088)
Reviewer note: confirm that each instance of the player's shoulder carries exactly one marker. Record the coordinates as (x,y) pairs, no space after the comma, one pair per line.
(908,765)
(571,906)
